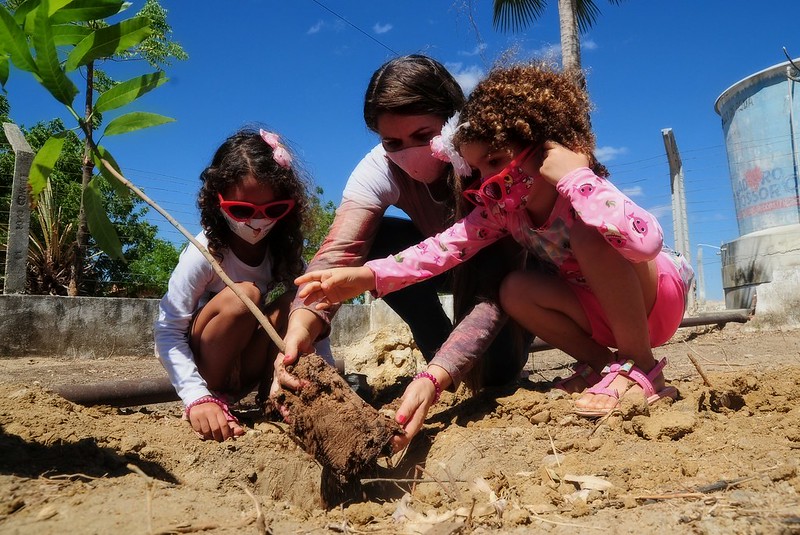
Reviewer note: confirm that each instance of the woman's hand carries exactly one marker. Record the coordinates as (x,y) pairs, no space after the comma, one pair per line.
(558,161)
(303,330)
(327,287)
(209,421)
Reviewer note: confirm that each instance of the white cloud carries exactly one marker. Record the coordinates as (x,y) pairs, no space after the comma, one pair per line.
(549,52)
(633,191)
(381,28)
(474,52)
(316,28)
(336,26)
(606,154)
(661,211)
(467,77)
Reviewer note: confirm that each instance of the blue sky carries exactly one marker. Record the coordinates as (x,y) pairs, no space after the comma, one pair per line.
(301,67)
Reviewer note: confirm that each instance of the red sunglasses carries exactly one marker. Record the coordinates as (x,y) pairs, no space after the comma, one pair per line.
(494,187)
(244,211)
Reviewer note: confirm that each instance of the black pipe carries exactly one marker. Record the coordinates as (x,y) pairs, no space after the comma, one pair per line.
(124,393)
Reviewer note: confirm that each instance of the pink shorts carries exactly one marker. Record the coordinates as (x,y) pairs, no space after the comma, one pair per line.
(664,319)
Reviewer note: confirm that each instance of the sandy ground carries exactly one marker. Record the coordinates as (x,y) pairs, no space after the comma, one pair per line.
(721,459)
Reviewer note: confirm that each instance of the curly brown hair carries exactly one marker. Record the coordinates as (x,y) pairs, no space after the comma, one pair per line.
(246,153)
(528,104)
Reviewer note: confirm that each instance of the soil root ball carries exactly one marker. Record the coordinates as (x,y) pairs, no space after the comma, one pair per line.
(343,432)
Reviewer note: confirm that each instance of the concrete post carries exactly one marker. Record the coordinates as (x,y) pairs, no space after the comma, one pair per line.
(679,216)
(19,213)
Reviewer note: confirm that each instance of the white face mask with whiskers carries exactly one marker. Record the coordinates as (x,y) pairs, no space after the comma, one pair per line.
(253,230)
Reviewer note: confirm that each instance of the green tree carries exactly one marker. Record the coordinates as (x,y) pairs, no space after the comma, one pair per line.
(320,221)
(575,17)
(35,38)
(148,260)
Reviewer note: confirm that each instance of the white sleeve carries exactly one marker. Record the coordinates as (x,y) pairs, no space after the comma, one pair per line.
(187,284)
(371,183)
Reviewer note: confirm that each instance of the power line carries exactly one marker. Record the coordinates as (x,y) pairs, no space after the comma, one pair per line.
(335,14)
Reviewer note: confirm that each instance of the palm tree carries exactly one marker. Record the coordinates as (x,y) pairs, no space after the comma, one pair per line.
(575,17)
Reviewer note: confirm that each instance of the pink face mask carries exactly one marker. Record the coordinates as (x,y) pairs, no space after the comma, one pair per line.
(419,163)
(508,189)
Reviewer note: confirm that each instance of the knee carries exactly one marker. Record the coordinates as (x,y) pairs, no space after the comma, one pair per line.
(234,305)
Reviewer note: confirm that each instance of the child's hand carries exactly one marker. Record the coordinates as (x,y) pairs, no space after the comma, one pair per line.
(209,422)
(558,161)
(330,286)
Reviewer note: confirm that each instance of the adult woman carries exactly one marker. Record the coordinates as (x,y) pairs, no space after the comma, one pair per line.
(407,102)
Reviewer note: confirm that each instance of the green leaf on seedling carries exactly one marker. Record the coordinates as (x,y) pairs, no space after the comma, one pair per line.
(100,226)
(69,34)
(48,67)
(84,10)
(43,164)
(5,70)
(134,121)
(128,91)
(120,188)
(20,14)
(105,42)
(14,43)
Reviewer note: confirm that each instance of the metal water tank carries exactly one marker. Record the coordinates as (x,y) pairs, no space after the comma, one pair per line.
(760,121)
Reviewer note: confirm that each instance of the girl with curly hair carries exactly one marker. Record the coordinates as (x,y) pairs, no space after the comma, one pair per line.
(606,280)
(253,204)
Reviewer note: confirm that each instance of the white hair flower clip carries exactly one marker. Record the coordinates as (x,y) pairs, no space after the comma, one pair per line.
(443,148)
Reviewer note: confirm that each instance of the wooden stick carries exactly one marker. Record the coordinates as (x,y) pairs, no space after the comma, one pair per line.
(699,370)
(671,496)
(405,480)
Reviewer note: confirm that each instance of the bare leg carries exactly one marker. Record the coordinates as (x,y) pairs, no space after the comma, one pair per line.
(626,292)
(545,304)
(224,334)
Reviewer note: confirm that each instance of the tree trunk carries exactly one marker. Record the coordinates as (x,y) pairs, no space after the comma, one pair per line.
(82,234)
(570,39)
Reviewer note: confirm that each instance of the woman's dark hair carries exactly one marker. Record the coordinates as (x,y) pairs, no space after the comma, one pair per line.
(242,154)
(411,85)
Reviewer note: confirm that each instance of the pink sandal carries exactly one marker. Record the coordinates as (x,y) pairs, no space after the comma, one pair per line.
(582,370)
(629,370)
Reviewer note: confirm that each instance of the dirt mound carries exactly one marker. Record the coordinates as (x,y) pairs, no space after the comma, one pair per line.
(720,459)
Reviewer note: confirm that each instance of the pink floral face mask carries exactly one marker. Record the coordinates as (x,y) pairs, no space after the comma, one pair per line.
(508,189)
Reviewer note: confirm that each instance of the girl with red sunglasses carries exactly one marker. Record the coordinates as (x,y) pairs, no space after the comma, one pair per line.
(606,281)
(252,202)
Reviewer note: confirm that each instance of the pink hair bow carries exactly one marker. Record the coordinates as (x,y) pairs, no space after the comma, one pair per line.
(279,153)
